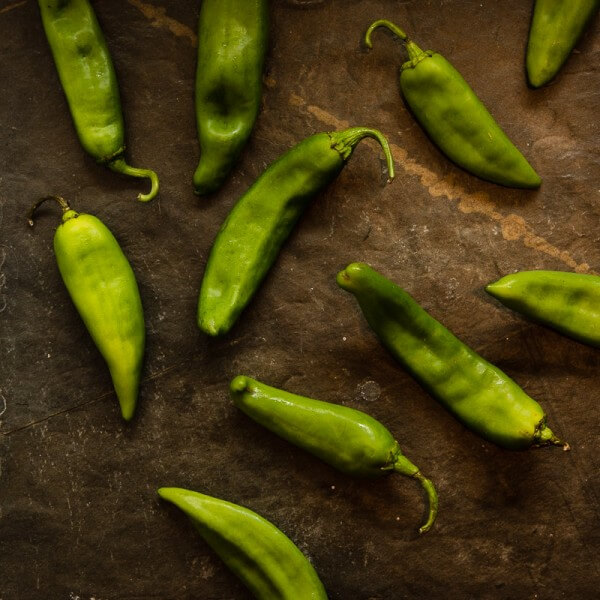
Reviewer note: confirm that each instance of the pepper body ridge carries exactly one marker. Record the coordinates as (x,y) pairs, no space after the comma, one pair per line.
(479,394)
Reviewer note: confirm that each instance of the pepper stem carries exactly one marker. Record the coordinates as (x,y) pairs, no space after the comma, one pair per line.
(432,496)
(64,205)
(120,166)
(384,23)
(414,52)
(345,142)
(544,436)
(404,466)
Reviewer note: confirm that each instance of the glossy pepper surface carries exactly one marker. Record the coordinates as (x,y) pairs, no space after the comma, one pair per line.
(556,27)
(250,238)
(103,288)
(88,79)
(455,119)
(347,439)
(263,557)
(479,394)
(232,42)
(568,302)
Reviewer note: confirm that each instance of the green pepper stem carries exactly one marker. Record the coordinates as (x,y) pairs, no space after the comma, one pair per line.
(345,142)
(64,205)
(414,52)
(405,467)
(432,497)
(120,166)
(544,436)
(383,23)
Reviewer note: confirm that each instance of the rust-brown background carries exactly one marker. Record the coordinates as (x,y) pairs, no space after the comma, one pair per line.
(79,515)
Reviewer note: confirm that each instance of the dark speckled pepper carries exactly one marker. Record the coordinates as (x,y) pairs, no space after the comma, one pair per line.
(232,42)
(556,27)
(567,302)
(455,118)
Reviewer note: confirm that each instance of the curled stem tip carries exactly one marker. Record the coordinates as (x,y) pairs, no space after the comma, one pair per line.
(432,497)
(404,466)
(120,166)
(345,142)
(59,199)
(383,23)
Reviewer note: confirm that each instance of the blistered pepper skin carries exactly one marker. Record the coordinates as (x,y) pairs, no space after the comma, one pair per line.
(103,288)
(232,43)
(88,79)
(455,119)
(556,27)
(254,231)
(263,557)
(347,439)
(479,394)
(567,302)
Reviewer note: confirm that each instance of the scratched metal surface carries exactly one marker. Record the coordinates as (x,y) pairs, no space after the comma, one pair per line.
(79,518)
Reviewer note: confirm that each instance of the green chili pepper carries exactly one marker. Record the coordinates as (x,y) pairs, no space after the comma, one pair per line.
(568,302)
(262,556)
(232,42)
(479,394)
(88,79)
(556,27)
(256,228)
(347,439)
(103,288)
(455,118)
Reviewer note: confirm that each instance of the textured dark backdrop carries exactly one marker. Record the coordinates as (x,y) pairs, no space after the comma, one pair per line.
(79,516)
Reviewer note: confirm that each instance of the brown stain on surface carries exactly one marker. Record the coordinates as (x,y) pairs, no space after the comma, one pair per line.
(12,6)
(512,226)
(158,17)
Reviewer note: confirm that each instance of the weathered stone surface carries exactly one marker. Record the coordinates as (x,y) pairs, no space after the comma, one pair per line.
(79,517)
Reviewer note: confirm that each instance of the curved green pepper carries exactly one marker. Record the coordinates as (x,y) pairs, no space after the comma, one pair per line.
(262,556)
(347,439)
(556,27)
(103,288)
(88,79)
(254,231)
(479,394)
(568,302)
(232,43)
(455,119)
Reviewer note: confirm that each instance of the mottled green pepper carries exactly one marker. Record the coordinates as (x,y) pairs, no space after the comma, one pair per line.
(345,438)
(232,42)
(479,394)
(263,557)
(103,288)
(88,79)
(455,119)
(250,238)
(556,27)
(568,302)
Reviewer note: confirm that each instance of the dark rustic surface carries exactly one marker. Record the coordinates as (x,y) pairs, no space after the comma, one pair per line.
(79,517)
